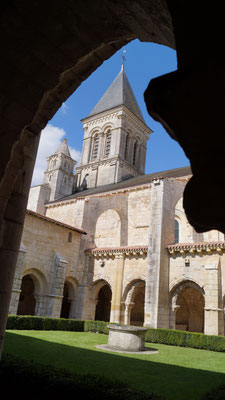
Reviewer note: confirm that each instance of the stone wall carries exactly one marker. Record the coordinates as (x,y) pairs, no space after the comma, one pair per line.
(51,258)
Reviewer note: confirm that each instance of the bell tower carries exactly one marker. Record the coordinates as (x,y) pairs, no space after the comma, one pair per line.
(115,137)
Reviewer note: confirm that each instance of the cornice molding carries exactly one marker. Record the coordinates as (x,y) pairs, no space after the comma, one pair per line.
(197,247)
(117,251)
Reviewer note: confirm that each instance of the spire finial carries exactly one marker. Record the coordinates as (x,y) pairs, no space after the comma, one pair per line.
(124,59)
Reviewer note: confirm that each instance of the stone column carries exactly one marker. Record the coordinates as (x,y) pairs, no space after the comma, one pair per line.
(16,290)
(128,308)
(80,308)
(117,289)
(84,308)
(41,307)
(213,299)
(72,307)
(54,306)
(101,148)
(173,312)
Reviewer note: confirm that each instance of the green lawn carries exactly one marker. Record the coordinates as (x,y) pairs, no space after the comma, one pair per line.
(174,372)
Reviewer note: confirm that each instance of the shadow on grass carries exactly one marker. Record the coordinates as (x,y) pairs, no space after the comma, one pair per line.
(170,381)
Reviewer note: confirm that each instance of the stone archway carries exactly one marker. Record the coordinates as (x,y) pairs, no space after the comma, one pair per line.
(68,308)
(66,302)
(137,311)
(187,307)
(133,303)
(103,306)
(27,301)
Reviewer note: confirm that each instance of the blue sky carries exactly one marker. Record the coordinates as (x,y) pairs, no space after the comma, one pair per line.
(144,61)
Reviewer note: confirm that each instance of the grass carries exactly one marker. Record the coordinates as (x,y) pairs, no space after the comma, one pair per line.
(174,372)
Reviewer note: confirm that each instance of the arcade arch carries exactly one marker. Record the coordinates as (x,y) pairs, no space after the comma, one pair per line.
(69,298)
(108,229)
(187,302)
(33,289)
(103,296)
(27,301)
(133,303)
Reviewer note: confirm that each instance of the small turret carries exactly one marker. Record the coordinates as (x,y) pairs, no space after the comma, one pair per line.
(59,175)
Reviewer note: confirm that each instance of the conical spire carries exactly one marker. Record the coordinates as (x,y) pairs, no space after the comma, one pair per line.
(63,148)
(119,93)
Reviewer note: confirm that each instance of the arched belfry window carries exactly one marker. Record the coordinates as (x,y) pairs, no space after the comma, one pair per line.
(95,147)
(108,143)
(176,231)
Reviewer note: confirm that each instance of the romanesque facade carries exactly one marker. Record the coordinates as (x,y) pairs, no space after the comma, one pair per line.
(111,243)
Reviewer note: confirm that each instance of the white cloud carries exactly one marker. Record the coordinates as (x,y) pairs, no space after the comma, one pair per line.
(64,108)
(75,154)
(51,137)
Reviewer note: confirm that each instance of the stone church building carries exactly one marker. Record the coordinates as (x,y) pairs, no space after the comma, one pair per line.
(105,241)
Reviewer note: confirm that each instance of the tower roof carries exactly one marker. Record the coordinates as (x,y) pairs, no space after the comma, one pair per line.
(119,93)
(63,148)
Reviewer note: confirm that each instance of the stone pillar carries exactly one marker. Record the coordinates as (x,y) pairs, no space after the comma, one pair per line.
(54,306)
(213,300)
(58,274)
(16,290)
(80,308)
(153,258)
(164,196)
(173,311)
(14,189)
(128,308)
(101,146)
(85,307)
(72,307)
(117,289)
(41,307)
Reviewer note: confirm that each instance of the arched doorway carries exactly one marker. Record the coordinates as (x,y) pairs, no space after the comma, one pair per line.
(66,302)
(103,307)
(27,301)
(137,311)
(134,303)
(190,303)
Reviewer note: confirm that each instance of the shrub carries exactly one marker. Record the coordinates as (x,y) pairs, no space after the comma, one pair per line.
(96,326)
(39,381)
(186,339)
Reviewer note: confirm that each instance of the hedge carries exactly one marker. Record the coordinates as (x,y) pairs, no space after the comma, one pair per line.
(186,339)
(163,336)
(21,322)
(37,381)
